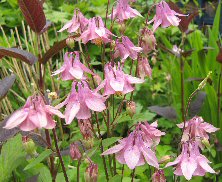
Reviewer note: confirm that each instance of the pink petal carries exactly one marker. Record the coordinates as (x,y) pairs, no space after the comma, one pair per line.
(71,111)
(203,163)
(114,149)
(208,127)
(27,125)
(100,31)
(51,124)
(132,156)
(66,26)
(16,119)
(95,104)
(54,111)
(84,112)
(59,71)
(117,85)
(134,80)
(150,157)
(188,166)
(76,72)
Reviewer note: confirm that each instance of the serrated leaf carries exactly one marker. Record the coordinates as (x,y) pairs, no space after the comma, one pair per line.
(109,141)
(39,159)
(12,155)
(33,13)
(5,85)
(18,54)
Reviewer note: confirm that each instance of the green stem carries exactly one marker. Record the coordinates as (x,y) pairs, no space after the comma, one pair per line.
(78,170)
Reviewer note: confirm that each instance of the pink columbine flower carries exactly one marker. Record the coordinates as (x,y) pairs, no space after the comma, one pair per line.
(79,103)
(144,68)
(148,41)
(72,68)
(165,16)
(96,32)
(196,129)
(78,22)
(116,81)
(190,162)
(85,128)
(34,114)
(126,49)
(123,11)
(74,151)
(135,149)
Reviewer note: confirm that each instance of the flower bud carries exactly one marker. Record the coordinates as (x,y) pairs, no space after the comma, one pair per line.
(74,152)
(158,176)
(52,95)
(131,108)
(85,129)
(91,173)
(165,159)
(29,146)
(204,82)
(70,42)
(206,143)
(148,40)
(122,28)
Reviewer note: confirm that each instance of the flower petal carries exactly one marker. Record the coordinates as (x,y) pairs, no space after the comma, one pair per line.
(71,111)
(188,166)
(95,104)
(132,156)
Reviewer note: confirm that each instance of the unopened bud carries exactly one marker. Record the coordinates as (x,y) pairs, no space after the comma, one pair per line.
(204,82)
(158,176)
(165,159)
(148,40)
(74,152)
(85,129)
(91,173)
(206,143)
(131,108)
(70,42)
(52,95)
(29,146)
(122,28)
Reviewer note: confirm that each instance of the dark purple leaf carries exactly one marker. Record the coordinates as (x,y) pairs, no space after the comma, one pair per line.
(5,85)
(34,15)
(18,54)
(166,112)
(197,104)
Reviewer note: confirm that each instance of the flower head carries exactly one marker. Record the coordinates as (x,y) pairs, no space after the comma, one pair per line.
(126,49)
(144,68)
(72,68)
(34,114)
(91,174)
(136,149)
(116,81)
(196,129)
(96,32)
(165,16)
(148,42)
(123,11)
(79,103)
(190,162)
(75,153)
(78,22)
(86,129)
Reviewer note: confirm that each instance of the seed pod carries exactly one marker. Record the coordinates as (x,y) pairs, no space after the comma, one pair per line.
(131,108)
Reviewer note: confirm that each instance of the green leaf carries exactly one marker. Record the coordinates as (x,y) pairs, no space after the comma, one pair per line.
(39,159)
(115,178)
(44,175)
(109,141)
(12,155)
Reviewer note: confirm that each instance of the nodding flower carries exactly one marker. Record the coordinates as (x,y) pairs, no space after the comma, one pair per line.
(96,32)
(165,16)
(34,114)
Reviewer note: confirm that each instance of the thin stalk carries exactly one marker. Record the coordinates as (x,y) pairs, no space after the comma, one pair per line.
(59,154)
(219,98)
(122,172)
(78,170)
(182,88)
(133,175)
(114,164)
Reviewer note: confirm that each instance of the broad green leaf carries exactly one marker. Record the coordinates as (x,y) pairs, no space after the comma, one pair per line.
(44,175)
(39,159)
(109,141)
(115,178)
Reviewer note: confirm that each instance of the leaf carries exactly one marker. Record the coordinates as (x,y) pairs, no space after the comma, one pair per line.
(5,85)
(44,175)
(185,21)
(115,178)
(33,178)
(166,112)
(12,155)
(33,13)
(109,141)
(55,49)
(18,54)
(39,159)
(197,104)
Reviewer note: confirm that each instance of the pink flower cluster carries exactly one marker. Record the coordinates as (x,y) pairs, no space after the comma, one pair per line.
(138,147)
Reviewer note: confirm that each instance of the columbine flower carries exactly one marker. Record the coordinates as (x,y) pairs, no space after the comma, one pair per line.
(135,149)
(91,173)
(80,103)
(165,16)
(126,49)
(78,22)
(144,68)
(190,162)
(72,67)
(148,42)
(123,11)
(34,114)
(86,129)
(96,32)
(116,81)
(196,129)
(74,151)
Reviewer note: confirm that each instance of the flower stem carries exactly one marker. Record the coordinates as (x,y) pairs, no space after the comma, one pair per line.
(122,172)
(59,154)
(182,88)
(78,170)
(133,175)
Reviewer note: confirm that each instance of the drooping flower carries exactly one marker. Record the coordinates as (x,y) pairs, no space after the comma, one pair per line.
(79,103)
(148,42)
(123,11)
(86,129)
(190,162)
(34,114)
(158,176)
(165,16)
(72,68)
(126,49)
(78,22)
(196,129)
(116,81)
(91,173)
(74,151)
(96,32)
(136,149)
(144,68)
